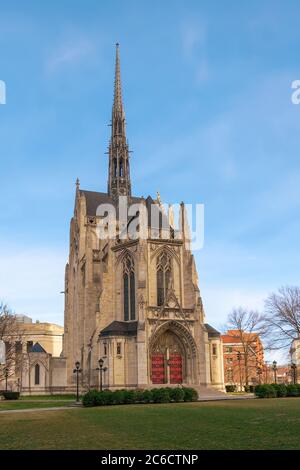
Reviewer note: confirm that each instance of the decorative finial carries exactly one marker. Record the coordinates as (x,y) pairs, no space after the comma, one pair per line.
(171,215)
(158,198)
(77,184)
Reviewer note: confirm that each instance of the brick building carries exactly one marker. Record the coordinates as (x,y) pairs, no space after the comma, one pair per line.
(243,357)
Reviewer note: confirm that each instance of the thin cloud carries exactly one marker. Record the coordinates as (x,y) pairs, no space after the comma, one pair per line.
(70,53)
(193,45)
(193,36)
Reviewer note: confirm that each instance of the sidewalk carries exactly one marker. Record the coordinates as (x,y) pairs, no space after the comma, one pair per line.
(75,405)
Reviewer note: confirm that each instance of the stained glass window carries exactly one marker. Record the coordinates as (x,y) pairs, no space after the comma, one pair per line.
(129,288)
(37,374)
(164,276)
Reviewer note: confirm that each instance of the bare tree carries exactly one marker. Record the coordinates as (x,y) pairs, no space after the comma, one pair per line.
(283,316)
(8,333)
(248,328)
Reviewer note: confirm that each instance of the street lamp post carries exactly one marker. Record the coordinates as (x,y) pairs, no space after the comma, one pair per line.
(239,361)
(275,371)
(101,369)
(259,373)
(77,371)
(294,372)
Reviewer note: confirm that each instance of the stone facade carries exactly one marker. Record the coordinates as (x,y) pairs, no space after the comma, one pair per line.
(135,303)
(35,365)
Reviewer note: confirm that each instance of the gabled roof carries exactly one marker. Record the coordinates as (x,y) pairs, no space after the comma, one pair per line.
(120,328)
(95,199)
(37,348)
(212,332)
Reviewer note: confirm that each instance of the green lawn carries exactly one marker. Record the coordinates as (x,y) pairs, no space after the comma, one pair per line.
(241,424)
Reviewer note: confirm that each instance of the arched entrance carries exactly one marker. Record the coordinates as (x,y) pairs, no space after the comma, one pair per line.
(167,359)
(173,355)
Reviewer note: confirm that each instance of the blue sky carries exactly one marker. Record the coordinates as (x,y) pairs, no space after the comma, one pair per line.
(207,92)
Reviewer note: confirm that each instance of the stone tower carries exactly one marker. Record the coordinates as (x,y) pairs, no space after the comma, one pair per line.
(119,167)
(134,301)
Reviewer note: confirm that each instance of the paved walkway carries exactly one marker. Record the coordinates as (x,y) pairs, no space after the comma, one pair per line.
(226,397)
(52,408)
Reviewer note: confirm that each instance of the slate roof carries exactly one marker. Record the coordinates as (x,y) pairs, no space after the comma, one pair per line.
(37,348)
(212,332)
(94,199)
(120,328)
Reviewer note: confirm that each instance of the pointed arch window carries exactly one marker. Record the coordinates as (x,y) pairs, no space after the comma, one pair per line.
(163,276)
(37,374)
(121,171)
(115,167)
(128,288)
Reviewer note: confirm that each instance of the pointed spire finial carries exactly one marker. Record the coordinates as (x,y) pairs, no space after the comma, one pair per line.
(77,184)
(118,105)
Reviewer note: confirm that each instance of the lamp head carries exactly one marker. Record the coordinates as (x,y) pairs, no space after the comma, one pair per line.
(101,362)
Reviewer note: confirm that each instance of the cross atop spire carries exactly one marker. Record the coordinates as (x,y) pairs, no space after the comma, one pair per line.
(119,171)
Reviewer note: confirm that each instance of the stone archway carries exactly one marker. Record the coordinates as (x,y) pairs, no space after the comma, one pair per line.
(172,355)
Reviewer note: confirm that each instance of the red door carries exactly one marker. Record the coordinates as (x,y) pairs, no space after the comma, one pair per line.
(175,363)
(158,369)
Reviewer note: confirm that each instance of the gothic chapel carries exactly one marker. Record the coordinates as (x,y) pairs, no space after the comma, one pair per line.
(135,303)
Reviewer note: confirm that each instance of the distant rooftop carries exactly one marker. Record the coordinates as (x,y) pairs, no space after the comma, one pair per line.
(23,318)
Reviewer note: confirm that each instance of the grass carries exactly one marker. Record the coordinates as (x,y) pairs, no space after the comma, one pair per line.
(245,424)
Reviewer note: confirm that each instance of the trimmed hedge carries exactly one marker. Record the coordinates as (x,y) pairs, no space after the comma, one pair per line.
(230,388)
(155,395)
(11,395)
(277,390)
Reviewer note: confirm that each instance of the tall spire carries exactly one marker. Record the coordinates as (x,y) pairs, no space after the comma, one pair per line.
(118,105)
(119,169)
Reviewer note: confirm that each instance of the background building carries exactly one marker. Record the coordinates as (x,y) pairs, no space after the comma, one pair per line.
(33,351)
(295,352)
(243,359)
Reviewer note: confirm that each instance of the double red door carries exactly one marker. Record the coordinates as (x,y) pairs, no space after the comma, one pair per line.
(158,368)
(175,363)
(159,362)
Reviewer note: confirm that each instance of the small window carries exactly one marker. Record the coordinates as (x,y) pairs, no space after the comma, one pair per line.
(214,349)
(230,376)
(229,349)
(37,374)
(105,349)
(119,349)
